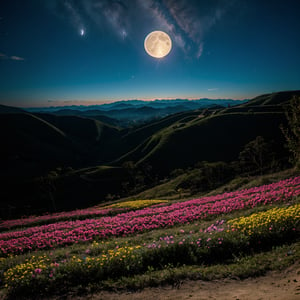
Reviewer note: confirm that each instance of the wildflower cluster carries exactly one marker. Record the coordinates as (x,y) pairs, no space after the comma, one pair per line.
(119,254)
(136,204)
(273,220)
(31,269)
(216,227)
(149,218)
(40,270)
(199,238)
(61,216)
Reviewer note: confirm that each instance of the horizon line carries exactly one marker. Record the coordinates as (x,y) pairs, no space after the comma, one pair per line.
(66,103)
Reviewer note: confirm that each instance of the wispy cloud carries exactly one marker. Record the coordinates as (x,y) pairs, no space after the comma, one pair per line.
(213,89)
(187,21)
(16,58)
(13,57)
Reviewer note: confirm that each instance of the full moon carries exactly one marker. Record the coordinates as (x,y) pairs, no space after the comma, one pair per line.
(158,44)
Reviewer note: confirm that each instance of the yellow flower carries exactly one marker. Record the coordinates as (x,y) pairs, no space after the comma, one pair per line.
(135,204)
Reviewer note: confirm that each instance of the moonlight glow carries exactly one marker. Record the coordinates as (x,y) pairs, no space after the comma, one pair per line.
(158,44)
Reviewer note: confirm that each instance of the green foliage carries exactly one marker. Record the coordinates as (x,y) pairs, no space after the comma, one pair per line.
(206,176)
(292,133)
(256,155)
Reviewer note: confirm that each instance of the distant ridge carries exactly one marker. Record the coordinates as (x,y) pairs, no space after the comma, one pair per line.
(135,112)
(126,104)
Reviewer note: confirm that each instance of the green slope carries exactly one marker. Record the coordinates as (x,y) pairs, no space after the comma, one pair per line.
(278,98)
(94,138)
(218,136)
(214,138)
(29,137)
(144,138)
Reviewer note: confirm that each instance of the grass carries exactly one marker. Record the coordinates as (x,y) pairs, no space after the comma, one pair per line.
(240,265)
(243,267)
(169,190)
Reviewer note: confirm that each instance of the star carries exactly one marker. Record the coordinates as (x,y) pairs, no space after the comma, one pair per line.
(82,32)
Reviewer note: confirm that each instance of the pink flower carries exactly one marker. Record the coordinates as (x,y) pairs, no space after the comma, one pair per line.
(38,271)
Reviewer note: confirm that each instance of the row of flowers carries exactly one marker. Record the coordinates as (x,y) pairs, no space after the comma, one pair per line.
(276,219)
(39,268)
(65,233)
(137,204)
(79,214)
(211,244)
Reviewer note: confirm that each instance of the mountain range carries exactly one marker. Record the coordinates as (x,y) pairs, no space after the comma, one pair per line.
(134,112)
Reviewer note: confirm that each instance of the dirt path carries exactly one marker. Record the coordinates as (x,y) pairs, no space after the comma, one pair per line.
(281,286)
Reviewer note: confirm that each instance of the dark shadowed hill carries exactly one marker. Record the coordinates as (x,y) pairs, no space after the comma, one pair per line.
(219,134)
(10,109)
(214,138)
(30,138)
(279,99)
(47,141)
(78,160)
(91,136)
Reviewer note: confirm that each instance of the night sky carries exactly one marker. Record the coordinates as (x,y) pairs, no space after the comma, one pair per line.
(63,52)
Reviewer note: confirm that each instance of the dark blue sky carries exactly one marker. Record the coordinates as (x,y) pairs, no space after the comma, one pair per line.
(59,52)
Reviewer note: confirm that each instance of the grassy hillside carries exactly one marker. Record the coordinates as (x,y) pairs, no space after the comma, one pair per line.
(36,149)
(91,136)
(133,138)
(27,137)
(278,98)
(132,245)
(171,189)
(218,137)
(68,140)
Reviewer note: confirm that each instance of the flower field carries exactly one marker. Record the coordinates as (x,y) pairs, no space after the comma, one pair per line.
(78,214)
(149,235)
(82,231)
(276,219)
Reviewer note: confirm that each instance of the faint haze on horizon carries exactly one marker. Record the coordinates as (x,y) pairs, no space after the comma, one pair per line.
(67,103)
(86,52)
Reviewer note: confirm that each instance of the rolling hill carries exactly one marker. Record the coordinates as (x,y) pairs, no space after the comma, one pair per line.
(215,138)
(79,160)
(218,136)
